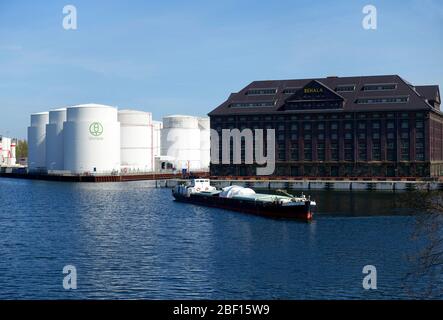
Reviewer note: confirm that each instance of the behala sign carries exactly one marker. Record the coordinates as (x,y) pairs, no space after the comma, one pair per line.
(313,90)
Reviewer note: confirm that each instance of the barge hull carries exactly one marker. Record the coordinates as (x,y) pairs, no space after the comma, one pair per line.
(271,210)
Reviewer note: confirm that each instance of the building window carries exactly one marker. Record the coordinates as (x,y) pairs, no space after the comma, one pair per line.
(348,125)
(294,136)
(334,126)
(253,104)
(405,124)
(294,154)
(362,125)
(375,135)
(419,155)
(362,154)
(348,135)
(345,88)
(390,155)
(382,100)
(320,126)
(259,92)
(376,152)
(291,90)
(376,125)
(321,152)
(321,136)
(349,152)
(419,124)
(294,126)
(390,125)
(308,152)
(391,135)
(404,150)
(379,87)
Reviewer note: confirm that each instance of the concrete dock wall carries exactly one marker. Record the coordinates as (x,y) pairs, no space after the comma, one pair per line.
(334,185)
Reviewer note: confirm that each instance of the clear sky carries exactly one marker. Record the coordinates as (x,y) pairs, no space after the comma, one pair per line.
(186,57)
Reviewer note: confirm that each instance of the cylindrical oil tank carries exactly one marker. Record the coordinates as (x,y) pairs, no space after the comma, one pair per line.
(91,137)
(180,139)
(136,141)
(54,139)
(205,142)
(37,141)
(157,126)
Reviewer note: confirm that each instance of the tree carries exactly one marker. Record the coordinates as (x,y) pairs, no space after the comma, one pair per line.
(428,262)
(21,150)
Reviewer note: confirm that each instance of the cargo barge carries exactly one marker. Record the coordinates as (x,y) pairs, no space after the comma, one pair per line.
(241,199)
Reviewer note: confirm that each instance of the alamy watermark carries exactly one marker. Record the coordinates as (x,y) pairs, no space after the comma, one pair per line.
(70,19)
(370,280)
(70,280)
(256,150)
(369,21)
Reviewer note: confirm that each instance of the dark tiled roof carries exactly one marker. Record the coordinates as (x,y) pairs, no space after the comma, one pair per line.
(431,93)
(417,96)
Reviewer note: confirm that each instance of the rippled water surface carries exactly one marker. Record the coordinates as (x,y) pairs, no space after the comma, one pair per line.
(130,240)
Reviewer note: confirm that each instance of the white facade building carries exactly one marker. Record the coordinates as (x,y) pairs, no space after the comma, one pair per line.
(7,151)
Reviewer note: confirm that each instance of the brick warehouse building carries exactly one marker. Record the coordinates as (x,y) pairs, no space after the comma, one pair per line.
(368,126)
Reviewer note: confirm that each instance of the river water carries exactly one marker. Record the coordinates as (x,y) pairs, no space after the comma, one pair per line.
(131,241)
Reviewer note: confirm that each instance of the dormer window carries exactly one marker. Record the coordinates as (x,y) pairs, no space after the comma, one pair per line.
(379,87)
(345,88)
(261,91)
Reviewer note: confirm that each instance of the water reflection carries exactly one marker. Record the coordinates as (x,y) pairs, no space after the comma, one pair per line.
(129,240)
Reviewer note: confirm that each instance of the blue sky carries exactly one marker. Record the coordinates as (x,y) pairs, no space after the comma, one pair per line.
(186,57)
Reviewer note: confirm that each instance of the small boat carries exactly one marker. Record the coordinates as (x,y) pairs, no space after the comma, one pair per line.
(238,198)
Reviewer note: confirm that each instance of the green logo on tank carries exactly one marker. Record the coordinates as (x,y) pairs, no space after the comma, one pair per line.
(96,129)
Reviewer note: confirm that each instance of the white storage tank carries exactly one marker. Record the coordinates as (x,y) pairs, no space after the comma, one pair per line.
(37,141)
(91,139)
(205,142)
(180,139)
(54,139)
(136,135)
(157,126)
